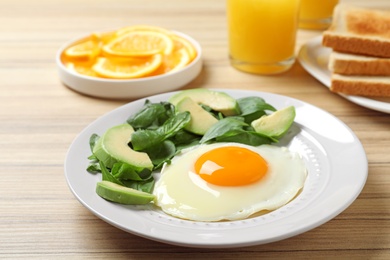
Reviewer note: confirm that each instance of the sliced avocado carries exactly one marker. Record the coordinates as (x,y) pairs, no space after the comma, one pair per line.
(201,120)
(218,101)
(113,147)
(275,124)
(121,194)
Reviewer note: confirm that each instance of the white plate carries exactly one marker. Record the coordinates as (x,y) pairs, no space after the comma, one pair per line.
(337,171)
(129,88)
(314,59)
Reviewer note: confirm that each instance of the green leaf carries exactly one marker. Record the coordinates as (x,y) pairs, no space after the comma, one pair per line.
(144,139)
(223,127)
(253,108)
(124,171)
(183,137)
(245,137)
(185,146)
(93,140)
(161,153)
(174,124)
(145,186)
(152,115)
(94,167)
(107,176)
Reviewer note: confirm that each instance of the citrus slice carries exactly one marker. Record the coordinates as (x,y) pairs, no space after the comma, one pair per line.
(180,42)
(104,37)
(130,52)
(87,49)
(173,62)
(132,68)
(84,68)
(140,43)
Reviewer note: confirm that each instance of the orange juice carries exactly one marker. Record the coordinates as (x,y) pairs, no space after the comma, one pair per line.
(316,14)
(262,34)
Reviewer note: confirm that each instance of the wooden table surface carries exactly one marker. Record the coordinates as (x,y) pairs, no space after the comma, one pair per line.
(40,117)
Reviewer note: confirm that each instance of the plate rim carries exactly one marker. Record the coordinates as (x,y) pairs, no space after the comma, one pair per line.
(314,69)
(220,243)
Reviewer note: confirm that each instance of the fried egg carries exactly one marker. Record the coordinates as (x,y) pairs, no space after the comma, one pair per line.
(229,181)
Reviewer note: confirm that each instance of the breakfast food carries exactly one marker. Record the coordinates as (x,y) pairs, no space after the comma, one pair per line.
(130,52)
(359,31)
(276,124)
(352,64)
(360,57)
(229,181)
(232,155)
(121,194)
(361,85)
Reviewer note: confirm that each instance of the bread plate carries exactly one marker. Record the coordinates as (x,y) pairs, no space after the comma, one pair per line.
(314,59)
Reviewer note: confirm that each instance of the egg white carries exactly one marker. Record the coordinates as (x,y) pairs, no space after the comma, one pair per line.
(182,193)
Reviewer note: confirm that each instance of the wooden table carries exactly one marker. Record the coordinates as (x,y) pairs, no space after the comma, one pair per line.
(39,118)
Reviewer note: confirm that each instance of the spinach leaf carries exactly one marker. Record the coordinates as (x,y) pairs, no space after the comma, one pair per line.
(152,115)
(145,186)
(125,175)
(223,127)
(94,167)
(234,129)
(124,171)
(143,139)
(93,140)
(175,124)
(184,139)
(107,176)
(188,145)
(245,137)
(216,114)
(253,108)
(161,153)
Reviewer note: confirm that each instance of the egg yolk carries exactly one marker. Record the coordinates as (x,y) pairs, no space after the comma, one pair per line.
(231,166)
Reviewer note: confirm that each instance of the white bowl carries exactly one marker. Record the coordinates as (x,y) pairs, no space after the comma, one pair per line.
(129,88)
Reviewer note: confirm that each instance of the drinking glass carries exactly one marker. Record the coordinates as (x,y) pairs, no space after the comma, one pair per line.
(316,14)
(262,34)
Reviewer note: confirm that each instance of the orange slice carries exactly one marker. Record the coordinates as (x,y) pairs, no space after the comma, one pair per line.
(139,43)
(84,68)
(132,68)
(180,42)
(177,60)
(130,52)
(87,49)
(104,37)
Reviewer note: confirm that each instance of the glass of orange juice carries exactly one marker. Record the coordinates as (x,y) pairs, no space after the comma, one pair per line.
(316,14)
(262,34)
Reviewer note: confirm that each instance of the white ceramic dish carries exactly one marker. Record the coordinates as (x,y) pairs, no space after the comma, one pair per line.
(337,171)
(314,59)
(129,88)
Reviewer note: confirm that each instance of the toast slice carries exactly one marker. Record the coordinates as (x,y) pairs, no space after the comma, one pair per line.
(352,64)
(361,85)
(359,31)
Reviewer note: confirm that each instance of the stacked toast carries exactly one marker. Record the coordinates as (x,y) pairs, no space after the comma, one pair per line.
(360,58)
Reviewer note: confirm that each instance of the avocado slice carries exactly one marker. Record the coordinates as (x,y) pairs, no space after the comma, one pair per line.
(201,120)
(218,101)
(275,124)
(121,194)
(113,147)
